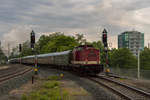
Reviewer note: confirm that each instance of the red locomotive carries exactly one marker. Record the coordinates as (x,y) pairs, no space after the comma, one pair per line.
(87,59)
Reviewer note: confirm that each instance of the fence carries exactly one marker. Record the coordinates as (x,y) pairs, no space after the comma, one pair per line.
(131,73)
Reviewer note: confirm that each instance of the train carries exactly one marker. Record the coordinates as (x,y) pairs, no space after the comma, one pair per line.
(83,59)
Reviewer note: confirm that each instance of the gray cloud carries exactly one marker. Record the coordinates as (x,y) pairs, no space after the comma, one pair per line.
(73,16)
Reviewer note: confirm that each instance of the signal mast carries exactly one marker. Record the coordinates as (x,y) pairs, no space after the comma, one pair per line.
(33,49)
(104,38)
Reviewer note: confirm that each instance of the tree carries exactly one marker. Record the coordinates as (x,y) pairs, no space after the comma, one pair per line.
(123,58)
(42,42)
(145,58)
(56,43)
(3,58)
(98,45)
(26,50)
(80,39)
(14,52)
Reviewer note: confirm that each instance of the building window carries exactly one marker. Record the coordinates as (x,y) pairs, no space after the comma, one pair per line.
(126,37)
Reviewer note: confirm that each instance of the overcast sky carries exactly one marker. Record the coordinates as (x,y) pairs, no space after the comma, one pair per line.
(89,17)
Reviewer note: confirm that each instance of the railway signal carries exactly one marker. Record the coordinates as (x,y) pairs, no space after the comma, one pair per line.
(104,38)
(20,50)
(32,46)
(32,39)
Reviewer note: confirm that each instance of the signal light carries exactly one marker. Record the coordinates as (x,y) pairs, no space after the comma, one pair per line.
(20,48)
(104,38)
(32,39)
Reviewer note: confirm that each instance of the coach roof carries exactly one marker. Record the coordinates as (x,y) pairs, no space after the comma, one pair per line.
(50,54)
(55,54)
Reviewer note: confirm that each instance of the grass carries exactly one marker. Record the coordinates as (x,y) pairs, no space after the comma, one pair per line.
(50,89)
(53,78)
(76,91)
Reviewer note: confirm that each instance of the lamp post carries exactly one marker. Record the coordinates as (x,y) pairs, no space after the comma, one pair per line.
(20,50)
(138,73)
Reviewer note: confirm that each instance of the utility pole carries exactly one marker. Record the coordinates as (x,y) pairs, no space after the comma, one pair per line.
(20,50)
(8,50)
(0,45)
(138,74)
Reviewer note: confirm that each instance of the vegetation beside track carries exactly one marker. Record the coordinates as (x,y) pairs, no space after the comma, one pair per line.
(3,57)
(49,89)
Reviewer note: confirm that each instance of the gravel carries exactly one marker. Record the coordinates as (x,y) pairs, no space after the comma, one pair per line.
(97,92)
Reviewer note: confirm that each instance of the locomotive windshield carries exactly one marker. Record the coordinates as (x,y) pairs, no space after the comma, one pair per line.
(81,47)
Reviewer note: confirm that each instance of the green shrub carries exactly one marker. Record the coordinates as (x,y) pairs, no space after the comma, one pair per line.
(51,84)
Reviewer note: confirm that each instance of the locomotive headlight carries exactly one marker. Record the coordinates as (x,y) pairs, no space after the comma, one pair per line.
(107,70)
(97,62)
(86,61)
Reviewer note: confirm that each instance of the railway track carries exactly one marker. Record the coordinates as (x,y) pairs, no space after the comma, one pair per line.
(3,71)
(13,74)
(122,90)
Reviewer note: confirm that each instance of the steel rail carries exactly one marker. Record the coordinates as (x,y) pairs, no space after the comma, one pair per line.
(11,72)
(126,86)
(110,88)
(13,75)
(8,69)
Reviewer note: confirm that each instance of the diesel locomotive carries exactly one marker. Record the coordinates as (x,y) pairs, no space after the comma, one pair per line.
(83,59)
